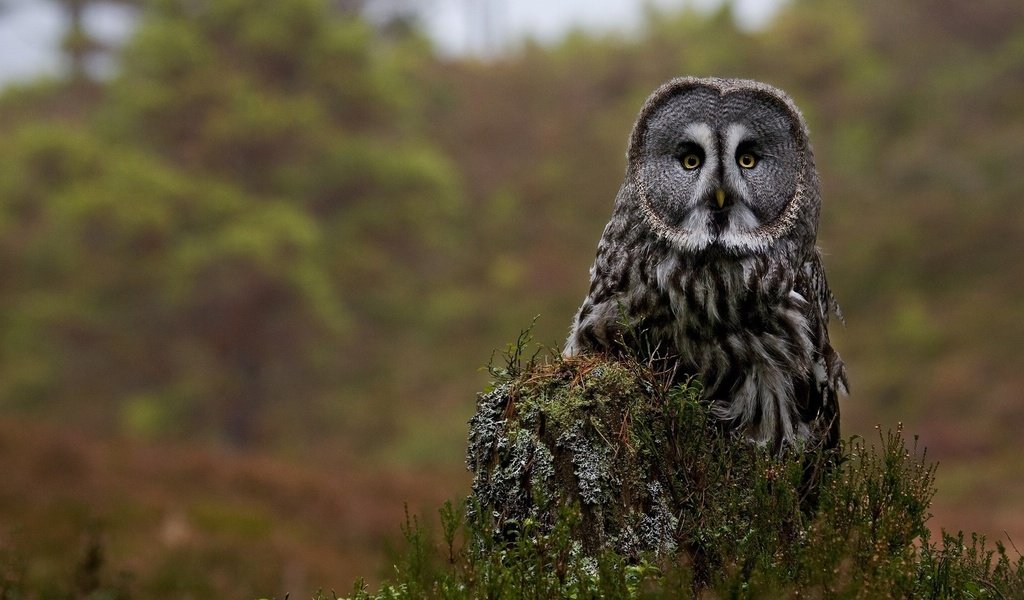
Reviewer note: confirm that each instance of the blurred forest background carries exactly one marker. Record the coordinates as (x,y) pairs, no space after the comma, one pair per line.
(251,274)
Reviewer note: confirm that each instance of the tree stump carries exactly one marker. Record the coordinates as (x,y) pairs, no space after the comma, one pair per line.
(645,462)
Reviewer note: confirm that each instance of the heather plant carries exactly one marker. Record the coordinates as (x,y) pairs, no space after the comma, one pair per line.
(595,479)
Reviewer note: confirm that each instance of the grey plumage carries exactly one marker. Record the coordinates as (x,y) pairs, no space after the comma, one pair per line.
(709,259)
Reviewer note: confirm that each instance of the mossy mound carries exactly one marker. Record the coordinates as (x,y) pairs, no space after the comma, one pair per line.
(594,479)
(643,460)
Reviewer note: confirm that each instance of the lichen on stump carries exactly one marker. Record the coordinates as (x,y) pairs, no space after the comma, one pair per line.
(648,467)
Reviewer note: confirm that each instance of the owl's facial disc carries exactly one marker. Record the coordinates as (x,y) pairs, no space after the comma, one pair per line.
(717,168)
(701,188)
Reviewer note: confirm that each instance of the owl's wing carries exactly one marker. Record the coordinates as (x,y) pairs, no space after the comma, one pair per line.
(819,291)
(599,321)
(819,402)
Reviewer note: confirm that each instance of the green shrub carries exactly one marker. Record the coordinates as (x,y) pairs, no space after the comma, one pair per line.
(566,515)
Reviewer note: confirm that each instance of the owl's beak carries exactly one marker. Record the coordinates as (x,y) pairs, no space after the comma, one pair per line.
(720,197)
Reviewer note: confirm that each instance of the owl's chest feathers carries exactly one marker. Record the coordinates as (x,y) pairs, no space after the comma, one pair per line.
(709,299)
(730,312)
(740,326)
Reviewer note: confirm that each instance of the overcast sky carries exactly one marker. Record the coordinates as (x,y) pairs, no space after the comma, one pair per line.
(456,24)
(30,29)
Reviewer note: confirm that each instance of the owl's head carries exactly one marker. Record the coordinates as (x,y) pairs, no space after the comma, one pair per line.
(723,163)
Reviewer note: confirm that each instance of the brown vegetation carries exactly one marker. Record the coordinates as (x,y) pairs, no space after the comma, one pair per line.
(170,519)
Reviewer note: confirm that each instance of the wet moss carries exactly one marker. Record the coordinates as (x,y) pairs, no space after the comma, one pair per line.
(643,460)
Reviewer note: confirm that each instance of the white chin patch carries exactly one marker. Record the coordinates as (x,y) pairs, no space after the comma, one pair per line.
(696,232)
(741,218)
(699,232)
(738,234)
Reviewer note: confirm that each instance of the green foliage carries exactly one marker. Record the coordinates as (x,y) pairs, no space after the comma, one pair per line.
(742,528)
(425,199)
(202,247)
(131,257)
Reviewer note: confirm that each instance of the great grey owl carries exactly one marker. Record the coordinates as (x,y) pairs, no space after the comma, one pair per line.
(710,259)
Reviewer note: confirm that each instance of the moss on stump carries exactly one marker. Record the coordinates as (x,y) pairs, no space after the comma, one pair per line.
(645,462)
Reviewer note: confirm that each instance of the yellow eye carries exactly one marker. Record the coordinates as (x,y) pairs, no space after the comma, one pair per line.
(691,162)
(747,160)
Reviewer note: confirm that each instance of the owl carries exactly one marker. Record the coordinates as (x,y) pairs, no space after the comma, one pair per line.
(710,259)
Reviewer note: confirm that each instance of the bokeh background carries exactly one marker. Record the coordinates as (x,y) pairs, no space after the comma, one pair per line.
(255,253)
